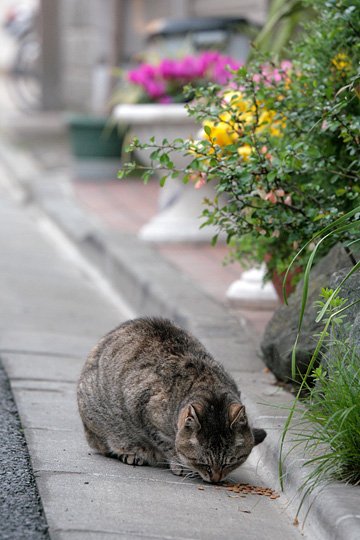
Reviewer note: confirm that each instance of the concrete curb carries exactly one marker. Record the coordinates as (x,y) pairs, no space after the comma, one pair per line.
(153,286)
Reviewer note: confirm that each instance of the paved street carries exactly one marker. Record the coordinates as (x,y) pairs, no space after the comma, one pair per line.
(53,312)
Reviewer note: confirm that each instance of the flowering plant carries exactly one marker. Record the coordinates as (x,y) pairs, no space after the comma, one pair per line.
(280,144)
(164,82)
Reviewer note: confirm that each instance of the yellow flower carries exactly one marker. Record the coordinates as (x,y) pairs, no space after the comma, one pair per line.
(276,129)
(275,132)
(342,62)
(267,122)
(236,100)
(221,133)
(244,151)
(239,114)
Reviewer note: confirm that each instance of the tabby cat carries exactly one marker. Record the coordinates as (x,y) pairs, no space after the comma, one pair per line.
(151,394)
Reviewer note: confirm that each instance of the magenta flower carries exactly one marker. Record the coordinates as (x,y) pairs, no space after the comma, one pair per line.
(164,82)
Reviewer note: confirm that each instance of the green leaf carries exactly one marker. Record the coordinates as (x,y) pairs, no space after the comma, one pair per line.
(146,176)
(163,180)
(214,239)
(155,154)
(186,179)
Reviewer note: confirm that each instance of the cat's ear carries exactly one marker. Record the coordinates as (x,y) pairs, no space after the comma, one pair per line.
(237,415)
(259,435)
(188,418)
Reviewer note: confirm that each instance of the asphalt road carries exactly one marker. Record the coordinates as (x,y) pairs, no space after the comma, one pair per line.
(21,511)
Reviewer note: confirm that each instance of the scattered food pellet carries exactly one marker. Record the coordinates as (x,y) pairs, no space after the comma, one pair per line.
(200,488)
(296,522)
(246,511)
(248,489)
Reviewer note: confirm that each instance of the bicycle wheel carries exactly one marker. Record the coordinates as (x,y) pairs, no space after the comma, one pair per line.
(25,74)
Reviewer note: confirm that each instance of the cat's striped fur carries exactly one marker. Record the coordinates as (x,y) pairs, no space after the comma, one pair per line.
(150,393)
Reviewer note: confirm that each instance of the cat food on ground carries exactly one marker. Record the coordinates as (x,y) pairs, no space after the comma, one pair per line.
(248,489)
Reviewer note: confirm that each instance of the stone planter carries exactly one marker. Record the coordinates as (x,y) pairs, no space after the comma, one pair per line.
(250,292)
(180,205)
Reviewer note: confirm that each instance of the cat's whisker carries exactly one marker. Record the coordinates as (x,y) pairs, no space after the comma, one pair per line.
(164,463)
(179,464)
(188,476)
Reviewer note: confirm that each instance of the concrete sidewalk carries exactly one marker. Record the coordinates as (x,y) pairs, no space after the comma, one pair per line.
(71,305)
(55,311)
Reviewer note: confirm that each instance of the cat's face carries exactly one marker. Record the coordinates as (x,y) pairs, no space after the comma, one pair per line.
(213,441)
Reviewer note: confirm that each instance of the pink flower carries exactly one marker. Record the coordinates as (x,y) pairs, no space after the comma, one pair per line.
(286,65)
(200,183)
(271,197)
(270,75)
(199,179)
(276,76)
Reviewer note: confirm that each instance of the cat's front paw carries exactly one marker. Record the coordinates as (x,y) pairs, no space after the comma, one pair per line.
(132,459)
(128,458)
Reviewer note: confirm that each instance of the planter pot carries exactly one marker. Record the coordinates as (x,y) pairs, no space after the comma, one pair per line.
(180,205)
(277,281)
(250,291)
(96,147)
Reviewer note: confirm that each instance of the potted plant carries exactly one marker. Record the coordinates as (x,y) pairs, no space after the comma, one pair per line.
(159,111)
(280,144)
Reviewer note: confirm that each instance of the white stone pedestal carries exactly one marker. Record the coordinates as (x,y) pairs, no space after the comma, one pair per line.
(250,292)
(180,205)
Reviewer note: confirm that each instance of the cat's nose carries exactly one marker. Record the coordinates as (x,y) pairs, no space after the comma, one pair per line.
(215,476)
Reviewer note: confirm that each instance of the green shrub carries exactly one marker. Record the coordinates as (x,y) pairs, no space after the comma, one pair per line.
(281,144)
(330,426)
(324,416)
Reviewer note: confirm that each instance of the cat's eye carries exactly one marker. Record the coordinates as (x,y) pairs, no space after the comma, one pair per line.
(232,463)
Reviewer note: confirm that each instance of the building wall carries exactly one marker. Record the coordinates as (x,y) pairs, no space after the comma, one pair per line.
(112,31)
(86,38)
